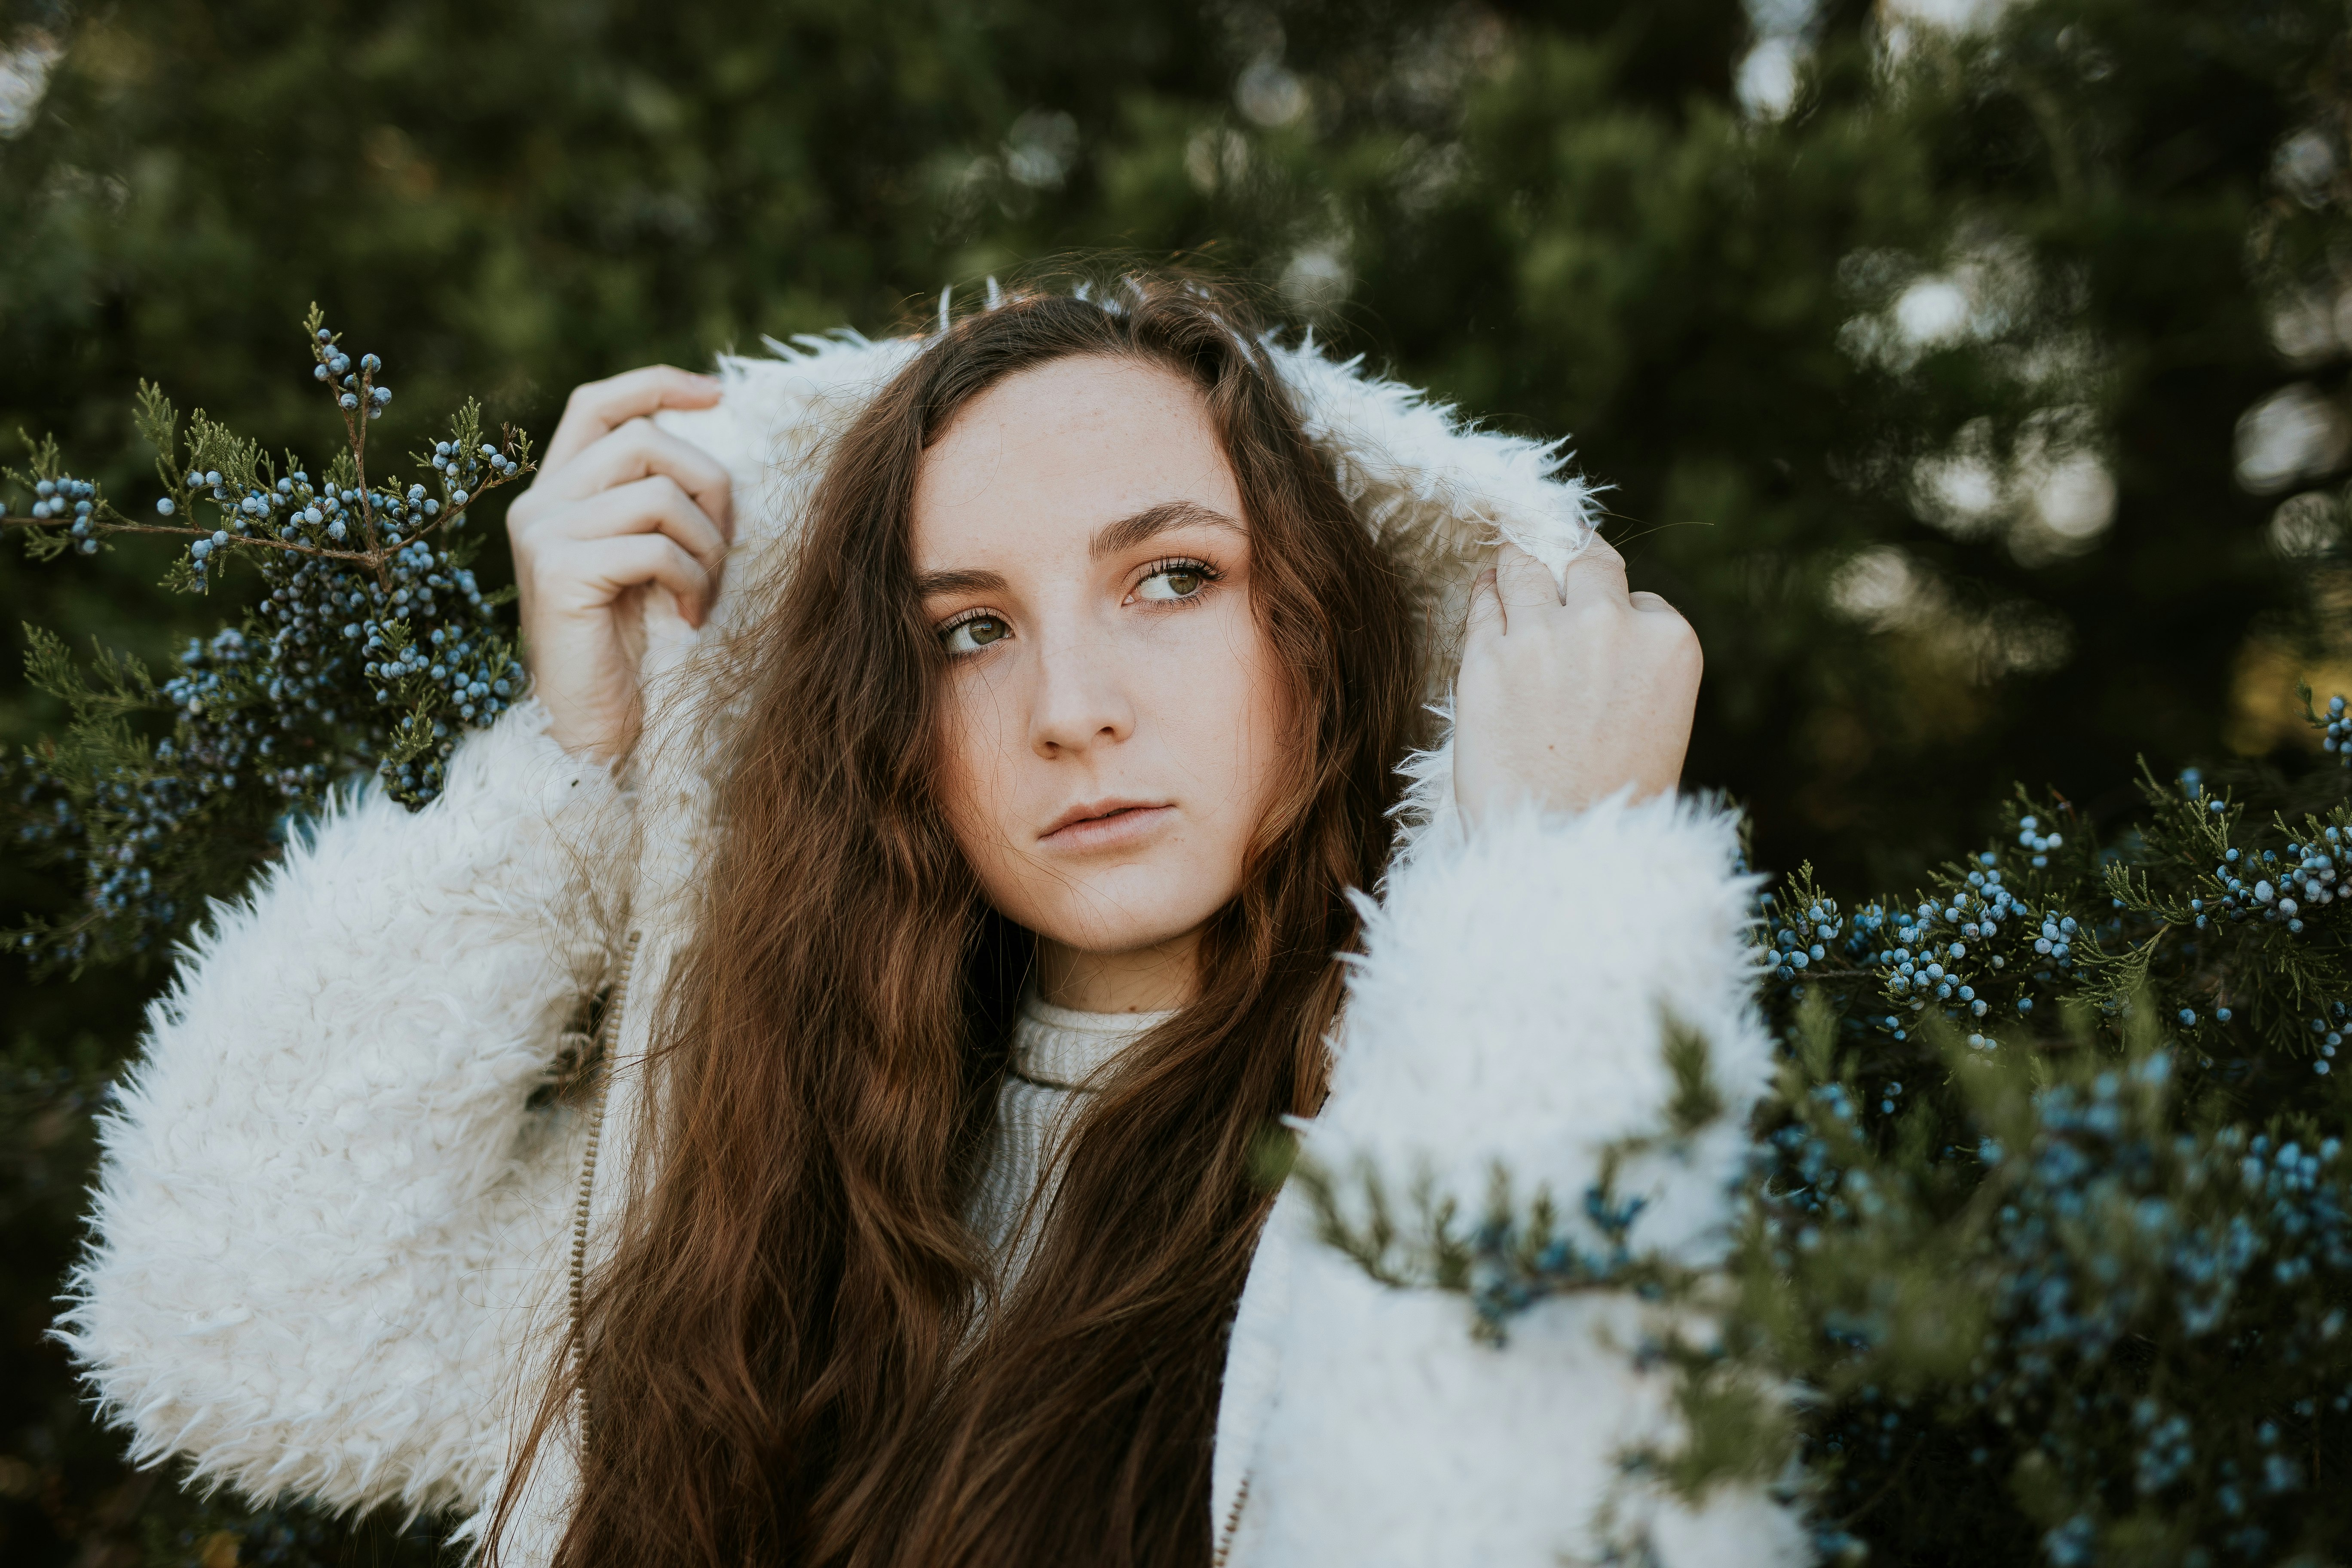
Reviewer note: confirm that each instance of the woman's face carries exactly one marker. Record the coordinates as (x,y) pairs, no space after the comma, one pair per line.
(1114,720)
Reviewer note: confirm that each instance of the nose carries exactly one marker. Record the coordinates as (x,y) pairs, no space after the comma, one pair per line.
(1080,701)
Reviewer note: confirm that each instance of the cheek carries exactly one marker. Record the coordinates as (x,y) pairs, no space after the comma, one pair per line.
(1272,737)
(1225,712)
(975,769)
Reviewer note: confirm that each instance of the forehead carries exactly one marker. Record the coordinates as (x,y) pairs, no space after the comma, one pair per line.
(1060,449)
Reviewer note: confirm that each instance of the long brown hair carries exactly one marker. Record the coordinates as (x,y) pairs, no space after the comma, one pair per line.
(795,1354)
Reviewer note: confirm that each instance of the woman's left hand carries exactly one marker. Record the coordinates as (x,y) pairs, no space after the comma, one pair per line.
(1569,692)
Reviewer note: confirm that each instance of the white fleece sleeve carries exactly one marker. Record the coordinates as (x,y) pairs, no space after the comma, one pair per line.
(325,1214)
(1508,1012)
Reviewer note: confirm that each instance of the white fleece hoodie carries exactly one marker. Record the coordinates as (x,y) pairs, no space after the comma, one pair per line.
(332,1231)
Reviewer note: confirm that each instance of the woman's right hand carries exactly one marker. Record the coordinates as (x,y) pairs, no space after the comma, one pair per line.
(618,508)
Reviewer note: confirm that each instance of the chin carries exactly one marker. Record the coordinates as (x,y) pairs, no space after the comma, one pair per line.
(1126,911)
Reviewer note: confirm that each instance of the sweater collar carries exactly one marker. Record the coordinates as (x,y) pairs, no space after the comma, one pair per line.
(1061,1047)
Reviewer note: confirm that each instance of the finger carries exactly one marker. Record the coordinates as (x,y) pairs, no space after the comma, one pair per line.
(653,505)
(1596,573)
(606,568)
(637,450)
(1486,617)
(1522,582)
(598,406)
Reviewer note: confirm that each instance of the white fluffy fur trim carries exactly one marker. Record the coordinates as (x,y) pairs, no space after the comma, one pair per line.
(325,1225)
(1509,1009)
(1429,480)
(1508,1013)
(1398,1439)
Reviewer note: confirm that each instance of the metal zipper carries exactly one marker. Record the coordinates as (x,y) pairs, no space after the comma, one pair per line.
(1233,1526)
(608,1031)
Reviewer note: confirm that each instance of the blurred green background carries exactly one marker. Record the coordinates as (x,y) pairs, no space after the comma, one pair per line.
(1973,377)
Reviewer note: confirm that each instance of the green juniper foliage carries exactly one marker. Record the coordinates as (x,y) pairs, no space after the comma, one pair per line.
(367,642)
(216,1531)
(2054,1214)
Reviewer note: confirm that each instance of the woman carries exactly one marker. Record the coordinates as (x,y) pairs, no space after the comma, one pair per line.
(953,769)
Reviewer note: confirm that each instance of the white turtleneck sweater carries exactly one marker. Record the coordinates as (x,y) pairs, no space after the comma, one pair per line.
(1055,1053)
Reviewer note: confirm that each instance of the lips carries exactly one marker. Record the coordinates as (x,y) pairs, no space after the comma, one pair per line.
(1106,822)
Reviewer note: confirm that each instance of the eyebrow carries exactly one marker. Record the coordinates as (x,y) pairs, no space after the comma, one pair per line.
(1130,531)
(1112,539)
(931,584)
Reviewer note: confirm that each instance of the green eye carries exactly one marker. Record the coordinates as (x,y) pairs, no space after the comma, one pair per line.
(1173,583)
(972,636)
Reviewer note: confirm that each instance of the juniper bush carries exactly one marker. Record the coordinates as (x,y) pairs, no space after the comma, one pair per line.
(364,643)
